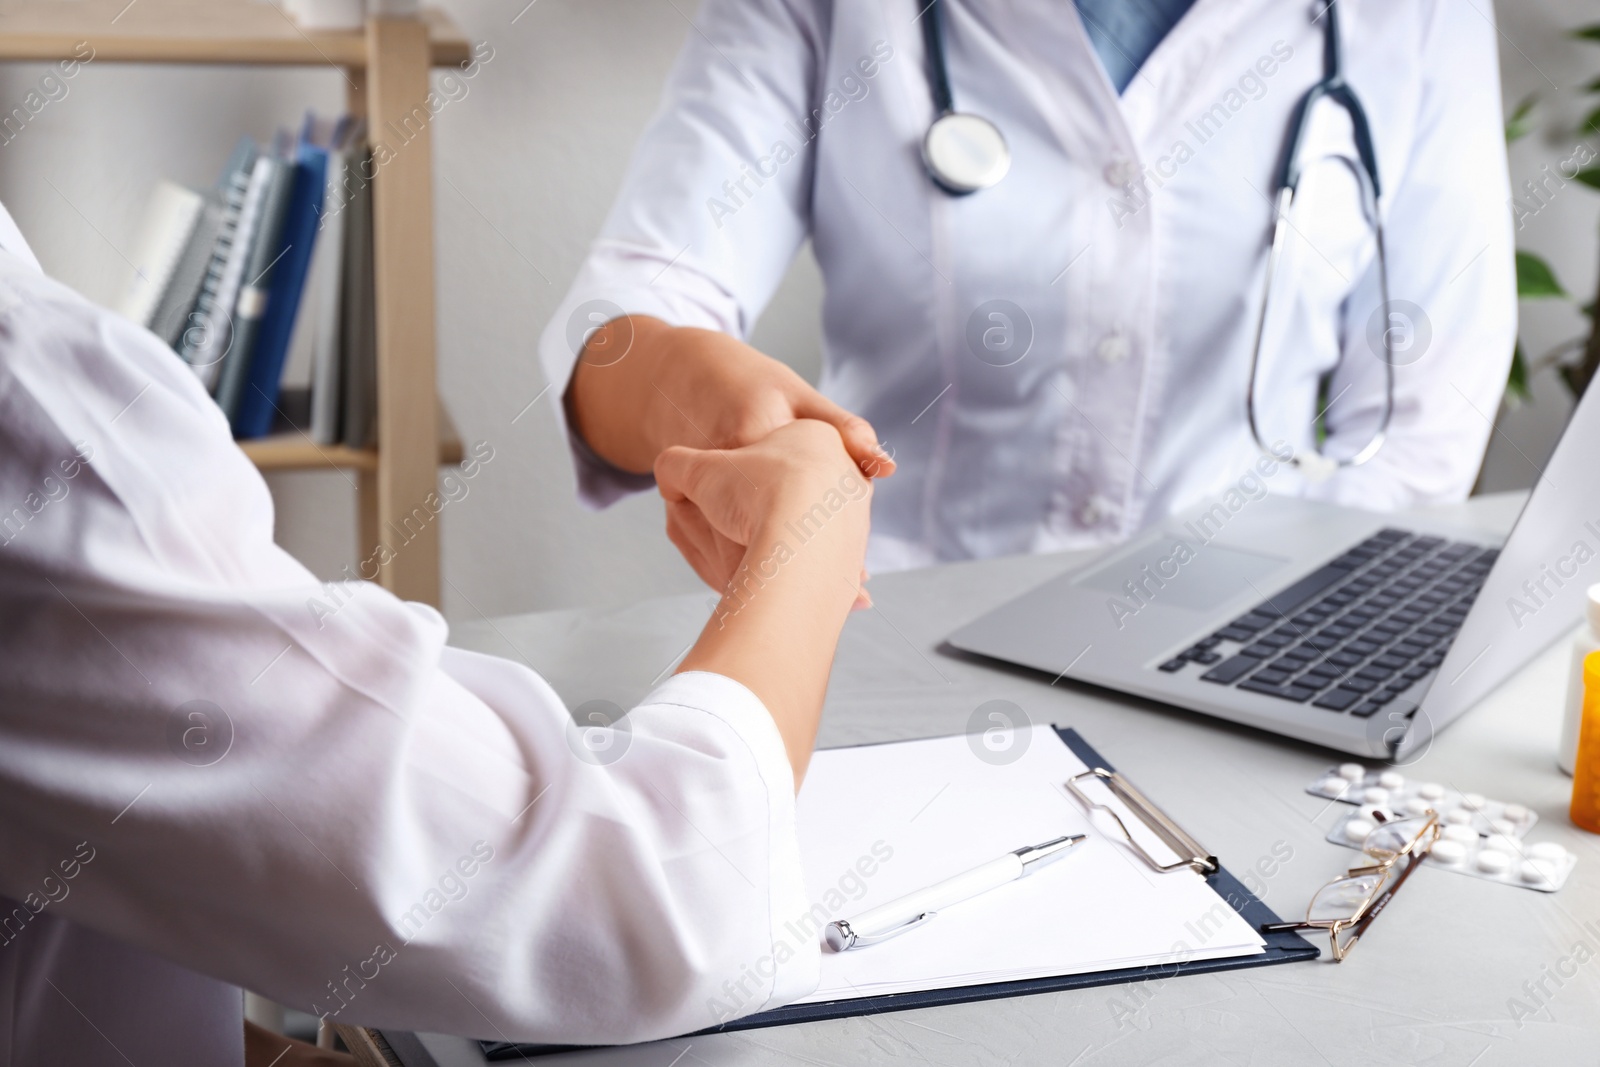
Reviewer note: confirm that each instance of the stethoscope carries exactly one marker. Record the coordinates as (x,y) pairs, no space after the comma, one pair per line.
(964,153)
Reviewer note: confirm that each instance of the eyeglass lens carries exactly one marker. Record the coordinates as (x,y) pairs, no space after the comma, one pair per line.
(1342,899)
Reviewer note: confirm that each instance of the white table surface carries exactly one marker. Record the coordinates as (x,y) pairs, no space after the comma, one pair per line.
(1432,983)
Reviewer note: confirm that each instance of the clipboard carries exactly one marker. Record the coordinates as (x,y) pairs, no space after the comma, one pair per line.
(1280,947)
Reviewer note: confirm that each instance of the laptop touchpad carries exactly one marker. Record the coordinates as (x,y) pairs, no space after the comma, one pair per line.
(1177,572)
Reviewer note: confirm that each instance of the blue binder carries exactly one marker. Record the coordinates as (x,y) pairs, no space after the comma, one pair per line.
(1286,947)
(258,401)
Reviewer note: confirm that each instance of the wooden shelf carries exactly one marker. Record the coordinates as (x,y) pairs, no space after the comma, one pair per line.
(194,31)
(297,452)
(386,69)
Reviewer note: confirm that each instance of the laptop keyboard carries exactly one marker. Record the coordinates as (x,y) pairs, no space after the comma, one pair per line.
(1356,634)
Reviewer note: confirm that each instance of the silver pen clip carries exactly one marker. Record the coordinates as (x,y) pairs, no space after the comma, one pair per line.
(840,936)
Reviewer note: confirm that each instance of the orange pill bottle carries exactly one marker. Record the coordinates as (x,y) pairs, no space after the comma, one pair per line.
(1586,776)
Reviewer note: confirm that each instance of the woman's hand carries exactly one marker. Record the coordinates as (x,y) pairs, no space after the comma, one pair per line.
(718,500)
(786,519)
(642,386)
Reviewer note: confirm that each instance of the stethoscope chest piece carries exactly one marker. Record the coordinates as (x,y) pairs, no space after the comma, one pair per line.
(965,153)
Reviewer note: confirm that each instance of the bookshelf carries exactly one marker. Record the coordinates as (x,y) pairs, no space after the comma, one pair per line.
(386,73)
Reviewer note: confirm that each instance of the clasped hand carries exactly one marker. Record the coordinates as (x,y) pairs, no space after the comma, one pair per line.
(738,441)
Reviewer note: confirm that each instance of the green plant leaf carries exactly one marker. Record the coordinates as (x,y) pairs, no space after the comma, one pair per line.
(1587,33)
(1592,87)
(1577,376)
(1517,382)
(1589,176)
(1517,125)
(1535,279)
(1590,123)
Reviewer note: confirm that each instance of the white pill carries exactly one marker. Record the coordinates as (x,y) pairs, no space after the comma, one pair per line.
(1492,862)
(1503,826)
(1458,817)
(1374,795)
(1534,873)
(1473,801)
(1391,779)
(1352,771)
(1502,843)
(1517,813)
(1548,851)
(1334,786)
(1465,835)
(1448,852)
(1430,790)
(1417,806)
(1356,830)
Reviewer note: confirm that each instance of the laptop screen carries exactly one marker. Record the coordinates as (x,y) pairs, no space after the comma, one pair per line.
(1535,593)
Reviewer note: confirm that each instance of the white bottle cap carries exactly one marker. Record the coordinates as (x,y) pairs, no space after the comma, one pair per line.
(1594,610)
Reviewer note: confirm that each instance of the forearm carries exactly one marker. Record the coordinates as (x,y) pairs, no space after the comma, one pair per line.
(614,400)
(777,625)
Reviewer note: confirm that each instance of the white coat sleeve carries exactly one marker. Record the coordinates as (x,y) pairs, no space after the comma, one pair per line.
(715,203)
(1451,262)
(299,789)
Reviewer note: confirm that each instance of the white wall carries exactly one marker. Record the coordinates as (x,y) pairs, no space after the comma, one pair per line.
(527,165)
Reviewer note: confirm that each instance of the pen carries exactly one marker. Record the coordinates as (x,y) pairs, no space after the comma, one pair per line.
(914,909)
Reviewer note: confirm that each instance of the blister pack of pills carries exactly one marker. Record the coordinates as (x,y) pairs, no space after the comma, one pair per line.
(1479,837)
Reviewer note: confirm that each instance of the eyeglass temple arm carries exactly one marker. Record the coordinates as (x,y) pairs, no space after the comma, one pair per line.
(1388,894)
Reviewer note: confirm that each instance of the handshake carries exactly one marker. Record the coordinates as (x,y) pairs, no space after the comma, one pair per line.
(755,465)
(768,487)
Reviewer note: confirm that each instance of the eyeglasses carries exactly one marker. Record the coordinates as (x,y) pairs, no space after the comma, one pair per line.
(1346,906)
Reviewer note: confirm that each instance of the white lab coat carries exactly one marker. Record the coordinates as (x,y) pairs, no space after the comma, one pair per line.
(1109,391)
(215,772)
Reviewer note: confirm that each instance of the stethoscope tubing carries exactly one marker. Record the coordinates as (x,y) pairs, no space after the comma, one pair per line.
(1332,87)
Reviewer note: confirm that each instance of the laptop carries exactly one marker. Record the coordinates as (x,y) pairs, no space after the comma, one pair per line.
(1346,628)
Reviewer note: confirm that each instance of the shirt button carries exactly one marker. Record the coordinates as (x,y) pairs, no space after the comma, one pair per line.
(1113,348)
(1120,172)
(1095,510)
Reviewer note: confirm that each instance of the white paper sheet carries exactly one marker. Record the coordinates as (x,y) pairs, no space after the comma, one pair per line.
(879,821)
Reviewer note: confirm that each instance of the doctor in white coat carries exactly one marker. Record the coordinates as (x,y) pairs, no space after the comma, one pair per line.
(1062,357)
(209,779)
